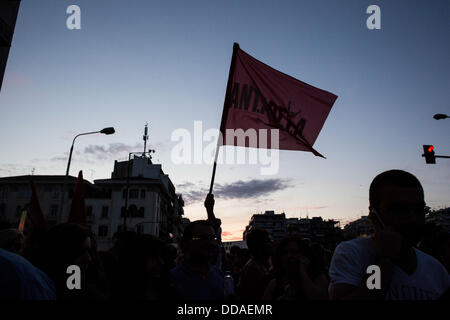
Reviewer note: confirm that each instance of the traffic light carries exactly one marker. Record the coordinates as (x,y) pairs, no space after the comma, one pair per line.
(428,153)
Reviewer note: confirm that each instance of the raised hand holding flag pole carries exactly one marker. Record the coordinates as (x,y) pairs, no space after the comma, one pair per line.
(258,97)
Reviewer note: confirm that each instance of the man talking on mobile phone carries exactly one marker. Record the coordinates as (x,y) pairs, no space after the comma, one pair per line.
(397,211)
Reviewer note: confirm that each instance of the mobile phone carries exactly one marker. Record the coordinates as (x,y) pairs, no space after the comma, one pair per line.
(378,218)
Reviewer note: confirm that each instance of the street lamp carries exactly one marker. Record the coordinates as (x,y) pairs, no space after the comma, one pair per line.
(440,116)
(107,131)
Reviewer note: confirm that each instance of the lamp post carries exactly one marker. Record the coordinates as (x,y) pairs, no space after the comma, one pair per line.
(107,131)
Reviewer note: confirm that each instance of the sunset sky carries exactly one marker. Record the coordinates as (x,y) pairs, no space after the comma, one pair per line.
(167,62)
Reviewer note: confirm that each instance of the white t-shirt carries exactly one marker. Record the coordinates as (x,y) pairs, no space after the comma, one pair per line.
(351,259)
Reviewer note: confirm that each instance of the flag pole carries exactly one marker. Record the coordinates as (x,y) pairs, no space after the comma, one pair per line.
(224,112)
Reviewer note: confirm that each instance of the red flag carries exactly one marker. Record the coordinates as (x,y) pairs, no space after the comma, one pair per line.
(260,97)
(77,209)
(32,217)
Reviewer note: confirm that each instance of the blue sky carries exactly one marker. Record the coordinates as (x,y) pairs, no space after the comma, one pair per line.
(167,62)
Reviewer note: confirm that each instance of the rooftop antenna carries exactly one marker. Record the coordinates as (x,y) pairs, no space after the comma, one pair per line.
(145,137)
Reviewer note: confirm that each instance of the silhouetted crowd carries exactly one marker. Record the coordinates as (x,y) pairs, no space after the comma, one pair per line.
(412,258)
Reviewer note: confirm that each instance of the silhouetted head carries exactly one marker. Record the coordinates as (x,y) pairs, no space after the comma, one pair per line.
(171,254)
(259,244)
(234,250)
(289,251)
(153,252)
(140,265)
(199,243)
(64,245)
(398,198)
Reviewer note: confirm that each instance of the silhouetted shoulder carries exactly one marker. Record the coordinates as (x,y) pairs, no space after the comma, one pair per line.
(429,265)
(21,280)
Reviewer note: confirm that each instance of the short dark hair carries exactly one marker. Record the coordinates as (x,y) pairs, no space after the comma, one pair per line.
(397,178)
(255,239)
(189,230)
(281,244)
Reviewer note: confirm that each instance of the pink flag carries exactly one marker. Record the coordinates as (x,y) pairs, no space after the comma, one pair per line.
(260,97)
(77,209)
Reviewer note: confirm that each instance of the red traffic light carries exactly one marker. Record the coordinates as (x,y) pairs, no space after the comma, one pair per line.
(428,153)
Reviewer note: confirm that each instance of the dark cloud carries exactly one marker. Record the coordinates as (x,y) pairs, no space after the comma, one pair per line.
(94,152)
(250,189)
(185,184)
(112,150)
(194,196)
(59,158)
(313,207)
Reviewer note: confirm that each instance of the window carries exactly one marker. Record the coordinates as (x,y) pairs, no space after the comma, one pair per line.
(3,193)
(25,193)
(3,209)
(143,194)
(134,193)
(53,210)
(140,213)
(124,193)
(55,194)
(105,211)
(89,211)
(102,231)
(132,211)
(140,228)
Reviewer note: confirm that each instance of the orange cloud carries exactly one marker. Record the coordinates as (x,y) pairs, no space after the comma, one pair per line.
(235,235)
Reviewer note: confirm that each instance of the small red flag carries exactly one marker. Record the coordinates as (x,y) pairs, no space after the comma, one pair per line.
(260,97)
(33,218)
(77,209)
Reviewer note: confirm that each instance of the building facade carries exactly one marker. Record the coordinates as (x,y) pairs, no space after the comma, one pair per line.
(440,218)
(359,228)
(325,232)
(274,224)
(153,205)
